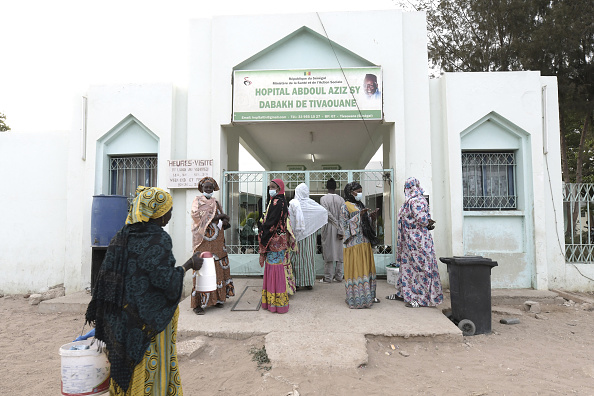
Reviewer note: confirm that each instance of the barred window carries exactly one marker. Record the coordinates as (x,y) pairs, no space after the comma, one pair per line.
(488,181)
(127,173)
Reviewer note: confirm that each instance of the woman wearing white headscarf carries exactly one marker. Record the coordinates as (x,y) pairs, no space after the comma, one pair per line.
(307,217)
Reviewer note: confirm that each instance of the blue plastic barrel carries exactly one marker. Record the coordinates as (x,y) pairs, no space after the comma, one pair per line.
(108,215)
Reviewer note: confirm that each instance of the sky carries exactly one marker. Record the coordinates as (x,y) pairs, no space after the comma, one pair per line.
(52,51)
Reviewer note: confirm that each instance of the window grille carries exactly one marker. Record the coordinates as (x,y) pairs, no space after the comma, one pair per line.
(488,181)
(127,173)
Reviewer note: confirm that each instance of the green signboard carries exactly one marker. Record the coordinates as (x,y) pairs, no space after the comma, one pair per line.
(307,94)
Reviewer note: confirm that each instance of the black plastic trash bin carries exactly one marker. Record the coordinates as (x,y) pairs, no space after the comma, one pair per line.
(470,292)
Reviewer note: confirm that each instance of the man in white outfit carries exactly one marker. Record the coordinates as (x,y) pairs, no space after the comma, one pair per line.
(332,235)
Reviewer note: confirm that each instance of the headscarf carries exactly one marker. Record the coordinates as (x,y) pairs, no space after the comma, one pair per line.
(280,184)
(205,180)
(307,216)
(203,211)
(276,216)
(412,188)
(149,203)
(413,197)
(368,230)
(136,294)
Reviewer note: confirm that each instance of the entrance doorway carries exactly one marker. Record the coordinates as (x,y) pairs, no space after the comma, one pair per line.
(244,197)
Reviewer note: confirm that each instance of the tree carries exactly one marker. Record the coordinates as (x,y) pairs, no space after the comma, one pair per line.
(3,126)
(555,37)
(483,35)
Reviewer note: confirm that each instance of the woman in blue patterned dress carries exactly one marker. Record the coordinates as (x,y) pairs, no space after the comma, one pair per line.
(418,284)
(359,237)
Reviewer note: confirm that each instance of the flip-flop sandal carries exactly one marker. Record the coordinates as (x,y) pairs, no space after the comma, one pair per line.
(198,311)
(376,301)
(394,297)
(412,304)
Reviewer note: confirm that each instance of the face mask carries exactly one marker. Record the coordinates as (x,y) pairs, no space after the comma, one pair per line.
(359,196)
(207,195)
(272,193)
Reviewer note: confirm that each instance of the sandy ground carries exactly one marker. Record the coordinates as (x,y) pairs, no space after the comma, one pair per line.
(549,356)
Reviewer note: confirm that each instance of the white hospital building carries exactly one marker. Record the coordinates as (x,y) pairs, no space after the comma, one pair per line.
(292,91)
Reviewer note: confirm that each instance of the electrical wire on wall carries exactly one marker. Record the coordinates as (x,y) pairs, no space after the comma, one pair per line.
(561,250)
(349,85)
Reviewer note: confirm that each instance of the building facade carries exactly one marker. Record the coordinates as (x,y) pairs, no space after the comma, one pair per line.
(308,96)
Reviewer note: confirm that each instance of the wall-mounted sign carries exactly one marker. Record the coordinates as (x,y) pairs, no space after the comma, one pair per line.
(307,94)
(187,173)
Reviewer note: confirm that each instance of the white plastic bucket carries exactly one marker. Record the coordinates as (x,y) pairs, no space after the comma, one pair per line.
(206,279)
(392,275)
(84,372)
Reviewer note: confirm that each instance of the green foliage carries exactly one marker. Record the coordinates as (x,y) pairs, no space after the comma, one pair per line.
(555,37)
(251,215)
(3,126)
(260,356)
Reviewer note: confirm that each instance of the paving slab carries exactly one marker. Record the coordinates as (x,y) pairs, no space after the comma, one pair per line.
(323,310)
(188,349)
(316,349)
(70,303)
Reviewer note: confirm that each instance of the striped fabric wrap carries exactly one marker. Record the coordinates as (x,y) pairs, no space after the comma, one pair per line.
(303,261)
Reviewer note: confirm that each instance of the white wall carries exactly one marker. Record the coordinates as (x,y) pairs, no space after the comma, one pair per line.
(515,96)
(108,105)
(33,171)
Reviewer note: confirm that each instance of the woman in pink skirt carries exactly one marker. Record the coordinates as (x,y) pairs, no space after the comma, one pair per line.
(276,240)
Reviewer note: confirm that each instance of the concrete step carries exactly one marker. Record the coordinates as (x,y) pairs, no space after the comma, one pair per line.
(71,303)
(316,349)
(188,349)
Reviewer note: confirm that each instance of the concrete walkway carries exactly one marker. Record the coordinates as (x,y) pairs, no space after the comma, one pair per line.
(319,329)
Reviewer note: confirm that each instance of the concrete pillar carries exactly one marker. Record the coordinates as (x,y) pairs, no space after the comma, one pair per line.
(389,225)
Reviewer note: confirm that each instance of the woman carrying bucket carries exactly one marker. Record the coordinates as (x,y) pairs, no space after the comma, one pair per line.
(135,301)
(208,225)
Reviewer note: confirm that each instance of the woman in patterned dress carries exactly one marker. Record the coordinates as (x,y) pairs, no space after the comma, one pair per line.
(418,283)
(359,236)
(134,307)
(208,236)
(275,242)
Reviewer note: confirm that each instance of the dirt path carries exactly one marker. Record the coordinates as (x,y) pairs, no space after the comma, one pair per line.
(552,356)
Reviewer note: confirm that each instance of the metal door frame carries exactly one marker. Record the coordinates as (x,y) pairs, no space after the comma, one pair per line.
(247,264)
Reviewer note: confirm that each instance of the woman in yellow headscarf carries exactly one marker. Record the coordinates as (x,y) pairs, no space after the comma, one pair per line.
(135,300)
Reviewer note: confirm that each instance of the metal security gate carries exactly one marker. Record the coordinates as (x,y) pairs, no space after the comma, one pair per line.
(578,210)
(244,198)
